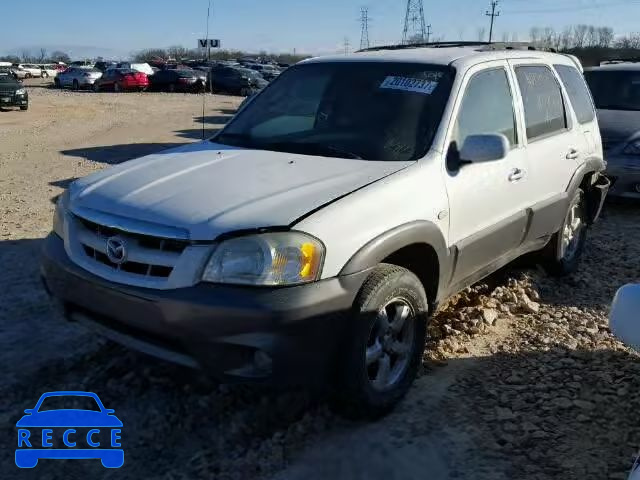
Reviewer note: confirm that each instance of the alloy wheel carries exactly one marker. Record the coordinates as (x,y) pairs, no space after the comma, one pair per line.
(572,231)
(390,343)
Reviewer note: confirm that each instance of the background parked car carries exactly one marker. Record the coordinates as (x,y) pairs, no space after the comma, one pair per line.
(12,92)
(48,71)
(29,69)
(19,71)
(616,91)
(176,81)
(121,79)
(268,72)
(105,65)
(77,77)
(138,67)
(237,81)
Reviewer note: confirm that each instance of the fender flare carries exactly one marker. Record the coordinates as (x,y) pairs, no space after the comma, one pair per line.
(597,191)
(389,242)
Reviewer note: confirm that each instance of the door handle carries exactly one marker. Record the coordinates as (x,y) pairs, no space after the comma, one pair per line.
(573,154)
(515,175)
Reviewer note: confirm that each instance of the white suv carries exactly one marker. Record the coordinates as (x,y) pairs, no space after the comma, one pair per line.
(309,240)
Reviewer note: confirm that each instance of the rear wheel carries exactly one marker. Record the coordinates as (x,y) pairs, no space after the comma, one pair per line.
(27,75)
(117,88)
(24,107)
(96,87)
(76,85)
(562,255)
(386,343)
(172,87)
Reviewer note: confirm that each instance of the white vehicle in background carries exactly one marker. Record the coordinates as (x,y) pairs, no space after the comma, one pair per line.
(625,324)
(48,71)
(19,71)
(138,67)
(77,77)
(33,71)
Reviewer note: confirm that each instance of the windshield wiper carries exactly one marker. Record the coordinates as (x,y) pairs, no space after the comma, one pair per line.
(312,148)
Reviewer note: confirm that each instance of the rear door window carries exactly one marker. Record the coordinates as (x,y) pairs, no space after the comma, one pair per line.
(544,109)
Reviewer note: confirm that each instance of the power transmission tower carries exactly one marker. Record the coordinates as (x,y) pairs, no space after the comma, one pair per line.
(415,30)
(364,32)
(346,45)
(493,14)
(428,33)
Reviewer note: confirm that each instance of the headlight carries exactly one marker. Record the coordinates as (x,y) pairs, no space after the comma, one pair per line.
(21,91)
(633,148)
(59,213)
(283,258)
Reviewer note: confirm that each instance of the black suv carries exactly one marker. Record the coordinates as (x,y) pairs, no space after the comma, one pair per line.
(12,93)
(237,81)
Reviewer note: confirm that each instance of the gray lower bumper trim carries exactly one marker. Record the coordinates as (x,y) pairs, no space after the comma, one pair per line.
(134,343)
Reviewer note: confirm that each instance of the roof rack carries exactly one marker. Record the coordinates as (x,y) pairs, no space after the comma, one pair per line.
(484,46)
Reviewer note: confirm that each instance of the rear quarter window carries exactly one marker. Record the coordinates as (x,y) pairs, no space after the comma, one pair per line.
(542,100)
(578,92)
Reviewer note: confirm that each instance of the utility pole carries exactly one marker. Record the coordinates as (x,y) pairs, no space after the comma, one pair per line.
(346,45)
(415,30)
(493,14)
(364,30)
(428,33)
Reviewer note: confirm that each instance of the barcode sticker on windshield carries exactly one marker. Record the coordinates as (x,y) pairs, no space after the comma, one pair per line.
(418,85)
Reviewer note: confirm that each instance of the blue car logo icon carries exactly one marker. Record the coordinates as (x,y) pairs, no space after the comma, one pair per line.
(53,430)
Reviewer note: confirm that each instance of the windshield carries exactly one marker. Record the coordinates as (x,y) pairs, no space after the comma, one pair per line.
(615,90)
(68,402)
(372,110)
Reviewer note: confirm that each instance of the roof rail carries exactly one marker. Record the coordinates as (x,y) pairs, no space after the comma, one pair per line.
(484,46)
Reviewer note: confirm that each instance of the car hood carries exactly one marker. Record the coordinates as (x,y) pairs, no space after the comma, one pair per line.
(208,189)
(69,418)
(618,125)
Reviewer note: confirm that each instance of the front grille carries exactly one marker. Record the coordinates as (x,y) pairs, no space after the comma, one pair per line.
(147,256)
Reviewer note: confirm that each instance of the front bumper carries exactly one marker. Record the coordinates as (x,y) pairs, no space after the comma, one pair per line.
(624,172)
(12,100)
(290,336)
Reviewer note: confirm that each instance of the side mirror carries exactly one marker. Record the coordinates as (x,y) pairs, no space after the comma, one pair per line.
(484,148)
(624,318)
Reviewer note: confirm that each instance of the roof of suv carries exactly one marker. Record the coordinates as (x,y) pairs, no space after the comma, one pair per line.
(465,55)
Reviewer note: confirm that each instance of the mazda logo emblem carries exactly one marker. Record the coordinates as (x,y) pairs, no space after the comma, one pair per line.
(116,250)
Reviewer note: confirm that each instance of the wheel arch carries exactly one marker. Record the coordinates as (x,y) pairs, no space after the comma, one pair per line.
(418,246)
(589,177)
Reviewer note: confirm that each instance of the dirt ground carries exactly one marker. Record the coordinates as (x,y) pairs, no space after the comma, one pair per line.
(521,377)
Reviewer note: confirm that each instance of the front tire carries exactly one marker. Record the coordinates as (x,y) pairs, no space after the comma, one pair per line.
(563,253)
(385,345)
(24,107)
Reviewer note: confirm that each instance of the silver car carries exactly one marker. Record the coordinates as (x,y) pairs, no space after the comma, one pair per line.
(78,77)
(616,92)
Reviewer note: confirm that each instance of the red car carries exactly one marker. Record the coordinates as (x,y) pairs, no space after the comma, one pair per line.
(120,79)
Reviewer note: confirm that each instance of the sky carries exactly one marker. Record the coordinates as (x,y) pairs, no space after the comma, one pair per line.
(118,28)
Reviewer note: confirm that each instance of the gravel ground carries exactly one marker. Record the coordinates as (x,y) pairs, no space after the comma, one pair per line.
(521,376)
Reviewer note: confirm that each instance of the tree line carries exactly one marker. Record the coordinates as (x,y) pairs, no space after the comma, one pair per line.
(40,56)
(180,53)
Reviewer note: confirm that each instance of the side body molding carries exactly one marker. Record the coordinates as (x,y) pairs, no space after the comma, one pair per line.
(412,233)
